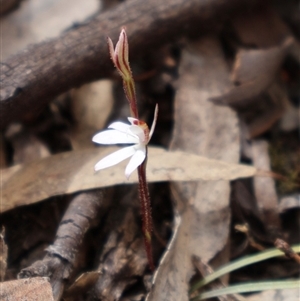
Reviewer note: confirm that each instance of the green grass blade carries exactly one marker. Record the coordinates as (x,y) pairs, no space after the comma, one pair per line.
(239,263)
(249,287)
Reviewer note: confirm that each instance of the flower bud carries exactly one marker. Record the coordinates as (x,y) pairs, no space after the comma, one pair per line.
(120,58)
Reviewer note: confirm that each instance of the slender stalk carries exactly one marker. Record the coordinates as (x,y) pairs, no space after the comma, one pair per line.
(146,212)
(120,58)
(129,89)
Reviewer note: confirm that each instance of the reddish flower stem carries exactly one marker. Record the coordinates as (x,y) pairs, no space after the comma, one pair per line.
(119,56)
(146,212)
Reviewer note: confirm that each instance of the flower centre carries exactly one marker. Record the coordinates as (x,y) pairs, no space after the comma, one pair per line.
(143,125)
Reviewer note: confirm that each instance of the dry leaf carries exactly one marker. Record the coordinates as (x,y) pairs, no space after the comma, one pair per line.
(290,119)
(253,71)
(31,289)
(249,217)
(74,171)
(3,255)
(264,188)
(82,284)
(274,103)
(289,202)
(276,295)
(210,130)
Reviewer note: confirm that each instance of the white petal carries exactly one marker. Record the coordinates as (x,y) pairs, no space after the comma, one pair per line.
(136,160)
(120,126)
(132,120)
(114,137)
(154,122)
(138,131)
(115,157)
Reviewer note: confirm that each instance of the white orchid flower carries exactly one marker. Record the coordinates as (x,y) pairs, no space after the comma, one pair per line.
(136,133)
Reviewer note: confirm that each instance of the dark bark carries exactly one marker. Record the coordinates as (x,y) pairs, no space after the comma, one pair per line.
(6,6)
(61,257)
(122,259)
(32,78)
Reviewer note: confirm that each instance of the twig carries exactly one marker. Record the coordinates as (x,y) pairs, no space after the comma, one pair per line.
(62,255)
(288,251)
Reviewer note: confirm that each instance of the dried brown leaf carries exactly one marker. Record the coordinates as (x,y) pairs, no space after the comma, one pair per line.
(253,71)
(210,130)
(33,289)
(84,282)
(264,187)
(289,202)
(3,255)
(276,295)
(274,104)
(290,119)
(74,171)
(249,217)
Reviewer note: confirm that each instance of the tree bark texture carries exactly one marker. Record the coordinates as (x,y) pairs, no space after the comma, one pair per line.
(32,78)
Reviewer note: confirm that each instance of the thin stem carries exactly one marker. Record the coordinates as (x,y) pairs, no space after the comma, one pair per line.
(129,89)
(146,212)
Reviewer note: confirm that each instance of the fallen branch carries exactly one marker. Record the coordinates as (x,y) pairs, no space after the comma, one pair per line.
(32,78)
(62,256)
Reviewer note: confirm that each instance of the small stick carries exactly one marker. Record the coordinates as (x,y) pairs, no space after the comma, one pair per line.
(286,249)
